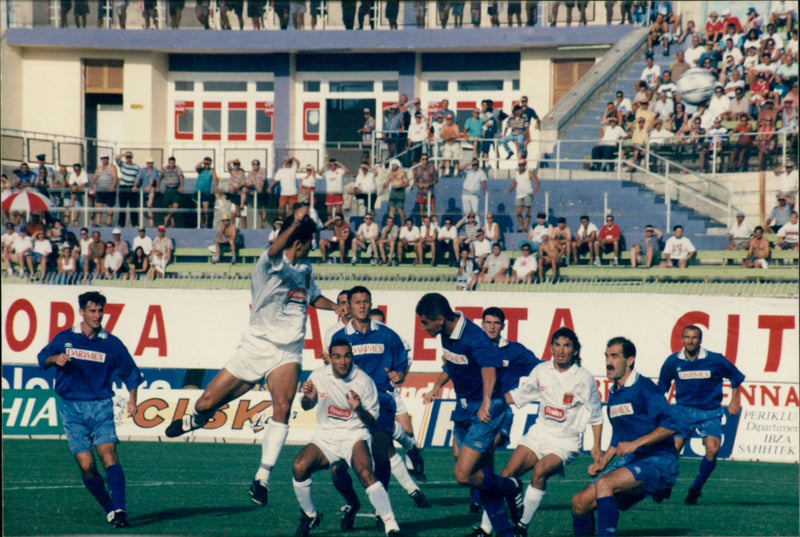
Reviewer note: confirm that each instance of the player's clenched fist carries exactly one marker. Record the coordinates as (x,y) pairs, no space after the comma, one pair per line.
(353,399)
(59,360)
(429,397)
(309,390)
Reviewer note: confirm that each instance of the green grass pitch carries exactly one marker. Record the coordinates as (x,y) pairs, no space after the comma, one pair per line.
(201,489)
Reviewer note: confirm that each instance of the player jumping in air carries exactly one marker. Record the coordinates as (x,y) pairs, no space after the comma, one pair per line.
(272,344)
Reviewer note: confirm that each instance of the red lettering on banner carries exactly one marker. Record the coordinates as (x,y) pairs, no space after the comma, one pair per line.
(112,313)
(792,399)
(513,317)
(245,413)
(748,394)
(420,335)
(732,344)
(692,317)
(143,421)
(57,310)
(315,343)
(159,341)
(180,409)
(218,420)
(21,305)
(561,317)
(473,313)
(767,394)
(776,324)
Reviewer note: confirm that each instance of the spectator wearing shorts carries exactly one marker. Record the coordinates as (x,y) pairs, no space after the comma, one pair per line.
(526,185)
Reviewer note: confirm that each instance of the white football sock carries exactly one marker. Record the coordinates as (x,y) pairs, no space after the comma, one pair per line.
(533,497)
(402,438)
(400,472)
(274,438)
(379,499)
(486,524)
(302,490)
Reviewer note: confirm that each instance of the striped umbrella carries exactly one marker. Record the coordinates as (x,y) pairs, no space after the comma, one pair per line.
(27,201)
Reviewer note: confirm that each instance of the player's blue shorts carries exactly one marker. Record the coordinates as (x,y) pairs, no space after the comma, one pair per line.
(88,423)
(470,431)
(695,420)
(386,412)
(508,419)
(658,474)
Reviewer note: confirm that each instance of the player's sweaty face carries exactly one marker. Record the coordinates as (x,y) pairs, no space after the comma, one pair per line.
(341,361)
(92,315)
(432,326)
(360,305)
(563,352)
(616,363)
(492,326)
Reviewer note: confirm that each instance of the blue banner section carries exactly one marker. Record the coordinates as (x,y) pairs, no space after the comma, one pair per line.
(31,412)
(29,377)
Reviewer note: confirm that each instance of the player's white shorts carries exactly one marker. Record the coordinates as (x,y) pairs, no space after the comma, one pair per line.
(251,365)
(538,440)
(399,404)
(336,445)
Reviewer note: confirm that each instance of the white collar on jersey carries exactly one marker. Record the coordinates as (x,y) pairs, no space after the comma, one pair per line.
(458,331)
(350,329)
(573,369)
(700,355)
(502,343)
(632,378)
(102,334)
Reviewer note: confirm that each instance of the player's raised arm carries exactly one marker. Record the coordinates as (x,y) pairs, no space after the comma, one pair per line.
(309,395)
(354,400)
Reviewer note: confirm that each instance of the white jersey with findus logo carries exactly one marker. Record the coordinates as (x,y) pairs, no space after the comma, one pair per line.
(568,401)
(333,411)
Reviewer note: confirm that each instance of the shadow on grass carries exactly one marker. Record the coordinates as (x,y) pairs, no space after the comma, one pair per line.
(187,512)
(655,532)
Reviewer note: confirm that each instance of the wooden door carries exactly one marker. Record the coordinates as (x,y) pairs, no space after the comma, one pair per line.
(566,74)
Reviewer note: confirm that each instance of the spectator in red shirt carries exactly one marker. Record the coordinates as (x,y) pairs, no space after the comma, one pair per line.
(727,19)
(715,27)
(608,239)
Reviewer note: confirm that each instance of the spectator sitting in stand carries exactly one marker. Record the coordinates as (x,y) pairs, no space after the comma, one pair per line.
(161,254)
(113,263)
(604,152)
(363,187)
(649,246)
(447,239)
(366,238)
(481,248)
(549,256)
(495,267)
(537,232)
(16,253)
(388,239)
(408,241)
(138,264)
(225,240)
(525,266)
(38,255)
(492,229)
(467,275)
(787,182)
(739,233)
(97,254)
(679,249)
(342,240)
(608,240)
(585,236)
(468,227)
(428,232)
(788,234)
(758,250)
(779,215)
(562,235)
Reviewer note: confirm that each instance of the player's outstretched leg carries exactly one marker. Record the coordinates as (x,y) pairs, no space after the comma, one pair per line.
(344,484)
(378,497)
(402,475)
(402,436)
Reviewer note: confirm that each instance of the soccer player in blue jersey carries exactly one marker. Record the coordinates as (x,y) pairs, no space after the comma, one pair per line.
(87,359)
(518,362)
(381,354)
(642,442)
(471,361)
(698,374)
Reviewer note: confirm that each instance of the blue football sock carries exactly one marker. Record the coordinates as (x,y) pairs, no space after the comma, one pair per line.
(706,467)
(116,484)
(475,494)
(495,509)
(97,487)
(498,485)
(607,516)
(583,525)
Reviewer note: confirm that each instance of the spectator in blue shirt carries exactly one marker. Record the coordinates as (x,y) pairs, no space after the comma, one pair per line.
(698,375)
(643,427)
(471,361)
(87,359)
(24,176)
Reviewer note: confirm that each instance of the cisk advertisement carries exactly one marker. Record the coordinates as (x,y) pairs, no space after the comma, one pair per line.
(170,331)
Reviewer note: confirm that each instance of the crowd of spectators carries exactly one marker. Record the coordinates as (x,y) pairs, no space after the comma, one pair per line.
(52,253)
(354,14)
(754,64)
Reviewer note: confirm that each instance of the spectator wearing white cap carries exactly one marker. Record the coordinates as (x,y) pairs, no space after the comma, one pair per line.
(120,245)
(739,233)
(161,253)
(367,129)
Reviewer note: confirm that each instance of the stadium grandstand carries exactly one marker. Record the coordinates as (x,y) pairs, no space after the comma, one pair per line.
(636,163)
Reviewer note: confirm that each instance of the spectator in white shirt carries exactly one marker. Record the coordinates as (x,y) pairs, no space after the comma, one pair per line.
(481,247)
(739,233)
(446,240)
(664,107)
(524,266)
(112,264)
(679,249)
(787,182)
(366,238)
(495,267)
(408,239)
(428,231)
(651,74)
(363,187)
(605,150)
(788,234)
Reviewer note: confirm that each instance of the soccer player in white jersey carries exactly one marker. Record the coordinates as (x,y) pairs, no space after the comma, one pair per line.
(347,406)
(403,427)
(272,344)
(568,402)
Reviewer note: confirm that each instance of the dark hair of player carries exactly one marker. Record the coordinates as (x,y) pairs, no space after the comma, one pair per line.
(93,297)
(628,348)
(303,233)
(377,312)
(494,311)
(339,343)
(432,305)
(358,289)
(573,337)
